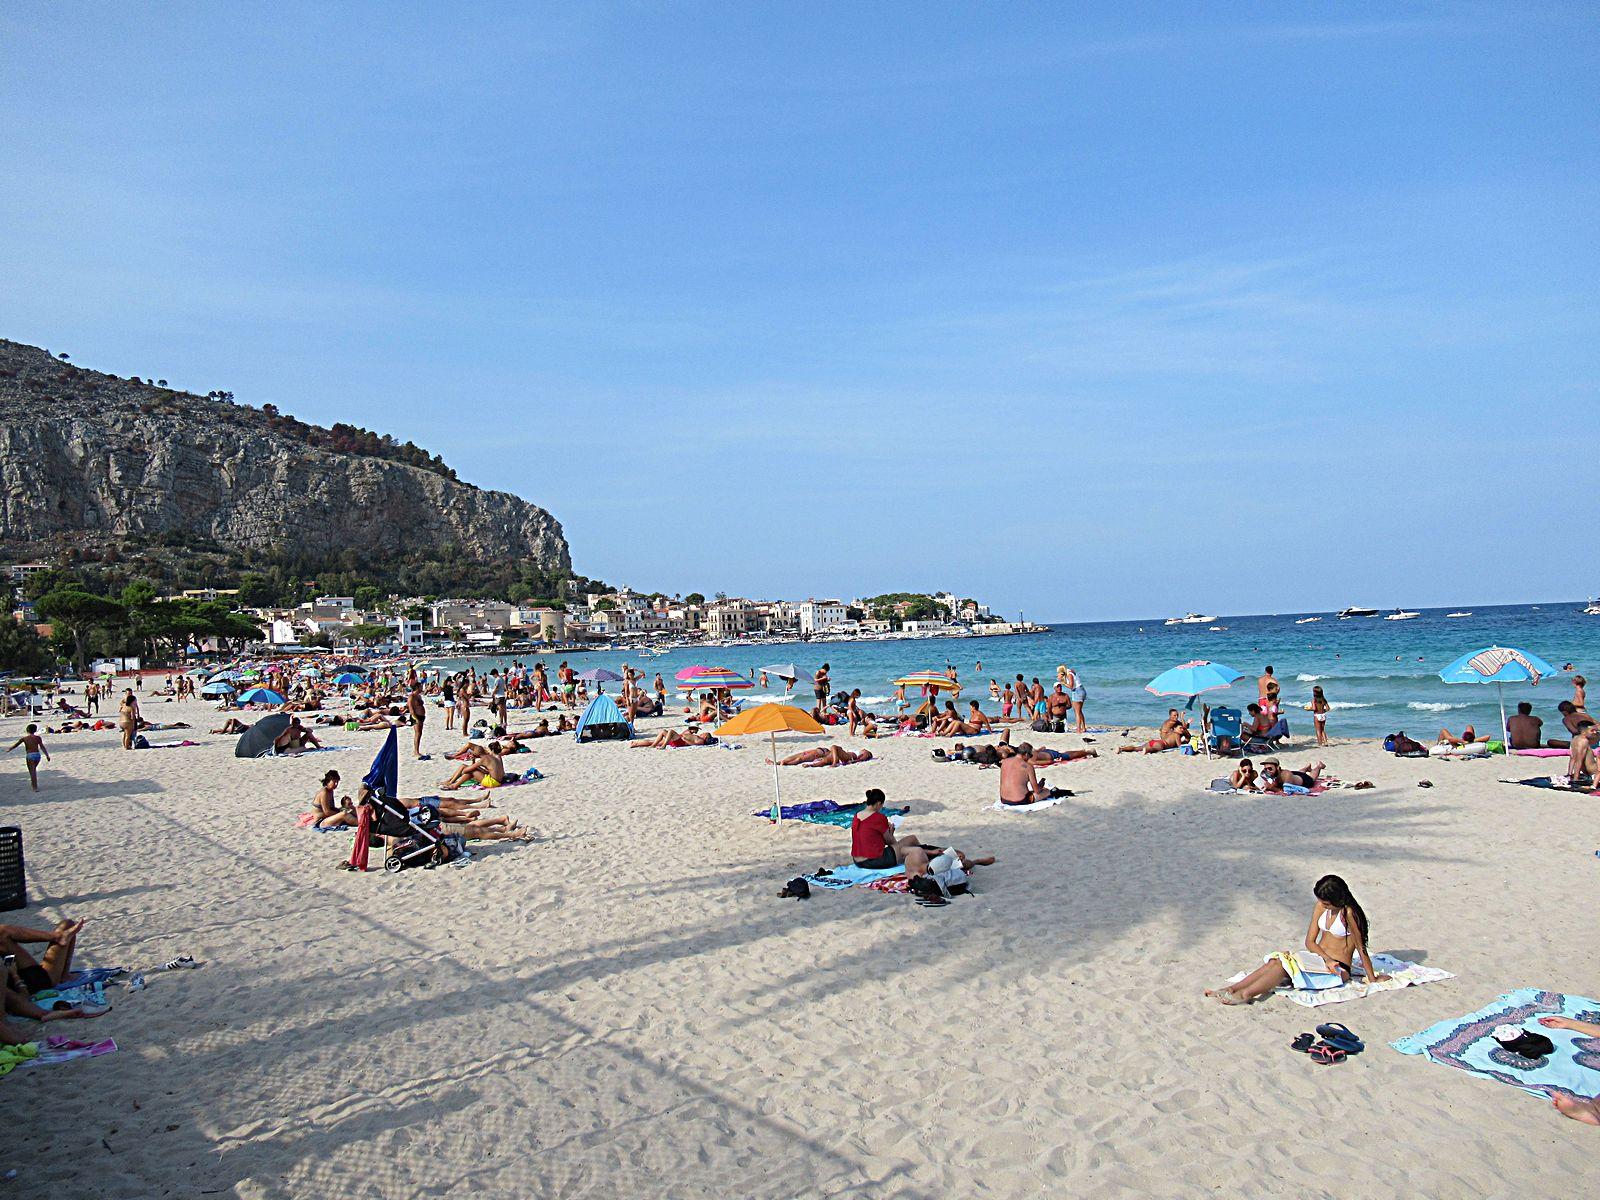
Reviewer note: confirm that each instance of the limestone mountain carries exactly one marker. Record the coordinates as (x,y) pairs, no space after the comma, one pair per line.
(95,467)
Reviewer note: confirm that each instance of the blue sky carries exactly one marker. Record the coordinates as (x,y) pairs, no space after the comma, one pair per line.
(1093,311)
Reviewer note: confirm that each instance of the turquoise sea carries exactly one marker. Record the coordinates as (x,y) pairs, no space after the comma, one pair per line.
(1379,676)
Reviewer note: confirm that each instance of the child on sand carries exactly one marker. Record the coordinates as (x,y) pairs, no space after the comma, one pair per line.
(33,744)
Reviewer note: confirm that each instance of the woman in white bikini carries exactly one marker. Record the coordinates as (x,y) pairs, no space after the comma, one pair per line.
(1336,936)
(1319,714)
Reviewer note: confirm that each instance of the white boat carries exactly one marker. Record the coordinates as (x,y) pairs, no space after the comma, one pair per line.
(1346,614)
(1592,609)
(1401,614)
(1459,614)
(1190,619)
(1308,620)
(1219,629)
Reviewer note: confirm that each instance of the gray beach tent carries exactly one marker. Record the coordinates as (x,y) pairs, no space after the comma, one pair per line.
(258,739)
(603,721)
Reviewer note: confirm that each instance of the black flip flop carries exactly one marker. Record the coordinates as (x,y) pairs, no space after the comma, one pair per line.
(1303,1042)
(1340,1038)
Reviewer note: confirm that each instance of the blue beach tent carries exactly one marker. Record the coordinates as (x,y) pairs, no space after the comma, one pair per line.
(603,721)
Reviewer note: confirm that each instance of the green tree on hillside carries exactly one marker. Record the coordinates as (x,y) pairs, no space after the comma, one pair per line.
(79,614)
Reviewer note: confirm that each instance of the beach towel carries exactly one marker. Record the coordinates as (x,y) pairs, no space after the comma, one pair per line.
(1312,989)
(893,884)
(149,745)
(1555,783)
(998,806)
(92,992)
(65,1049)
(92,975)
(308,820)
(512,780)
(849,876)
(1467,1044)
(1221,787)
(1542,752)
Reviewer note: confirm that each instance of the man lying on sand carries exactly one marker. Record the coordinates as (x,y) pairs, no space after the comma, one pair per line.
(1274,777)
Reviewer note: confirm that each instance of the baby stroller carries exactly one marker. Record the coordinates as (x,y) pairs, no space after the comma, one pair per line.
(417,840)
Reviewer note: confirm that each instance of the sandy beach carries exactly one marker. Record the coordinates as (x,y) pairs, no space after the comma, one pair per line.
(625,1007)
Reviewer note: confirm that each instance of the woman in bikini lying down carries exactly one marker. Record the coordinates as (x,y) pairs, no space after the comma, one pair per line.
(1336,936)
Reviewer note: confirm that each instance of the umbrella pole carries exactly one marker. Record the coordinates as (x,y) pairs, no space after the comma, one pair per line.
(777,793)
(1505,734)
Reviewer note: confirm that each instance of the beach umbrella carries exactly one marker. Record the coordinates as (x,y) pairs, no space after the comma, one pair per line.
(383,777)
(769,719)
(711,677)
(599,675)
(309,671)
(1193,679)
(217,688)
(260,695)
(345,678)
(1498,665)
(935,681)
(258,739)
(785,671)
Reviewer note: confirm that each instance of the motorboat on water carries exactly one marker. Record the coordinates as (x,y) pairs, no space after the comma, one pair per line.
(1401,614)
(1347,613)
(1190,619)
(1457,614)
(1592,609)
(1308,620)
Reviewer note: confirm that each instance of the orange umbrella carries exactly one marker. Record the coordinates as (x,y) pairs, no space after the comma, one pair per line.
(769,719)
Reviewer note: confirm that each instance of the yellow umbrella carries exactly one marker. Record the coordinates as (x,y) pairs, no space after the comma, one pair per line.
(936,681)
(768,719)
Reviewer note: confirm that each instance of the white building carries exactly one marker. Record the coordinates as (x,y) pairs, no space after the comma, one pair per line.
(333,605)
(817,615)
(407,632)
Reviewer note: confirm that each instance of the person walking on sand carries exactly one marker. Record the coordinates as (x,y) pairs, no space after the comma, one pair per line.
(418,709)
(1319,714)
(33,747)
(128,718)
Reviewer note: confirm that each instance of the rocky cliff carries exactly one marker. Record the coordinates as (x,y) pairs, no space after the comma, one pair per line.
(89,460)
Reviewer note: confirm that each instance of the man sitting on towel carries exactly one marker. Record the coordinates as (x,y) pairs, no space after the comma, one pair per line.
(1524,728)
(1019,780)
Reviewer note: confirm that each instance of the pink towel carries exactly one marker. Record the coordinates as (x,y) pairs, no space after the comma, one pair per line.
(1542,752)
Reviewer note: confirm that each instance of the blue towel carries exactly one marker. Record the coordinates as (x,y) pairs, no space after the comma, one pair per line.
(850,876)
(92,975)
(1466,1044)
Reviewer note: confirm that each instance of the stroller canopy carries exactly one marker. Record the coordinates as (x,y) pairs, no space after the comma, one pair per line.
(603,720)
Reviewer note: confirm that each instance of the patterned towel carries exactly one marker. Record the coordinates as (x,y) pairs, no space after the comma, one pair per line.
(1326,988)
(1466,1044)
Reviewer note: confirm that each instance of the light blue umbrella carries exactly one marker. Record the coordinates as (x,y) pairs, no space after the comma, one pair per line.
(349,677)
(260,695)
(217,688)
(1192,679)
(1498,665)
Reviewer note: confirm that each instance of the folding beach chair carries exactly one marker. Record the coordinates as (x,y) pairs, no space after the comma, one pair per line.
(1269,742)
(1226,724)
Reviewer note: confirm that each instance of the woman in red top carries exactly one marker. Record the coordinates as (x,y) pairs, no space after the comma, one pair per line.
(872,841)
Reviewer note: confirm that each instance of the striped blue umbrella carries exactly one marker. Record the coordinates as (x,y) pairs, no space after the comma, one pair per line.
(1498,665)
(260,695)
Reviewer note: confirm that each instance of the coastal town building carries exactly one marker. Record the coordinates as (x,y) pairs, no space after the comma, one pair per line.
(817,615)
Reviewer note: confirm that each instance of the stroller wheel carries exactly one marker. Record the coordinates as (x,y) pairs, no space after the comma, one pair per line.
(394,864)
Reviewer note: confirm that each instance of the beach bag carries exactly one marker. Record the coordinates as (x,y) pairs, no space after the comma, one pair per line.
(1040,725)
(140,742)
